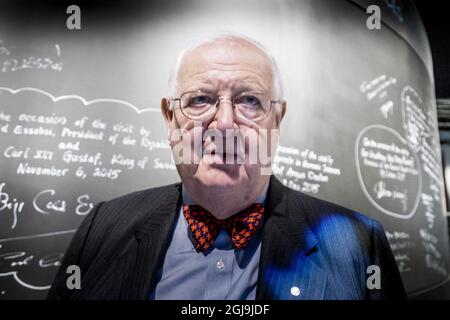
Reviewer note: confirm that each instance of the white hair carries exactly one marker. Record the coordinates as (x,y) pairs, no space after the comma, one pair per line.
(277,85)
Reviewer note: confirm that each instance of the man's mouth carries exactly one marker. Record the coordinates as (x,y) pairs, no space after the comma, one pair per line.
(223,155)
(224,158)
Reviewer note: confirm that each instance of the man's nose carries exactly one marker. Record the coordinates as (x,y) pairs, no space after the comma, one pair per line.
(225,114)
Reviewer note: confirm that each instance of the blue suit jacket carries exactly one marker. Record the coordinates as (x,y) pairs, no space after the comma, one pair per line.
(320,249)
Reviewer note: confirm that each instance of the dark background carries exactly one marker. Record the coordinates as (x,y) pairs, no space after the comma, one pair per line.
(437,24)
(434,15)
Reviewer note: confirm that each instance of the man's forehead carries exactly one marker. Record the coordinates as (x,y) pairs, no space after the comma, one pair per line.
(223,53)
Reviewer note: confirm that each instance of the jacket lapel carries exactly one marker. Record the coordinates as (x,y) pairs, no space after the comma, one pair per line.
(152,239)
(288,264)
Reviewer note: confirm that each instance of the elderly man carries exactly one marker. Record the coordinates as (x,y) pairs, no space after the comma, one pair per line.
(230,230)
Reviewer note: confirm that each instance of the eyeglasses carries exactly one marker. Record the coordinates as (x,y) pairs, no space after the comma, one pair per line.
(199,105)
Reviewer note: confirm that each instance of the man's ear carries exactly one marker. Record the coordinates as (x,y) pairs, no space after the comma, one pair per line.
(167,112)
(281,112)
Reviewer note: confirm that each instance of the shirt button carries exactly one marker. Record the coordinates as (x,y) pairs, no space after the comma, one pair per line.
(220,264)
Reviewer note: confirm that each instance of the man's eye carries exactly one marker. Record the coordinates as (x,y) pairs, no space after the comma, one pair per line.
(200,100)
(250,101)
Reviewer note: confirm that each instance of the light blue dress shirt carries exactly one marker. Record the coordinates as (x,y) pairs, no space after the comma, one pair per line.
(223,273)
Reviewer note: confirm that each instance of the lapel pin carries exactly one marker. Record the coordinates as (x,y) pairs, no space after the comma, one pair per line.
(295,291)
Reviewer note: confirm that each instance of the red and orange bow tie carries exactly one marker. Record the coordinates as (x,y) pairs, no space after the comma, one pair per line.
(205,227)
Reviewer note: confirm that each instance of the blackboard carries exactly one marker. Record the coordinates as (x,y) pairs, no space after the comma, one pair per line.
(80,119)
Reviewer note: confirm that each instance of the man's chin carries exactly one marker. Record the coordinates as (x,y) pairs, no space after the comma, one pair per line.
(217,174)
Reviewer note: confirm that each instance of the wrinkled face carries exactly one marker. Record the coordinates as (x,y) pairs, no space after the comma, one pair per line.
(224,68)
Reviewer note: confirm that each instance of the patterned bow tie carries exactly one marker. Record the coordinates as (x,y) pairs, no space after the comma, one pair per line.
(205,227)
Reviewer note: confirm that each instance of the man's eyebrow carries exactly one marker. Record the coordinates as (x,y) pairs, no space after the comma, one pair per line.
(238,88)
(250,88)
(203,89)
(203,86)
